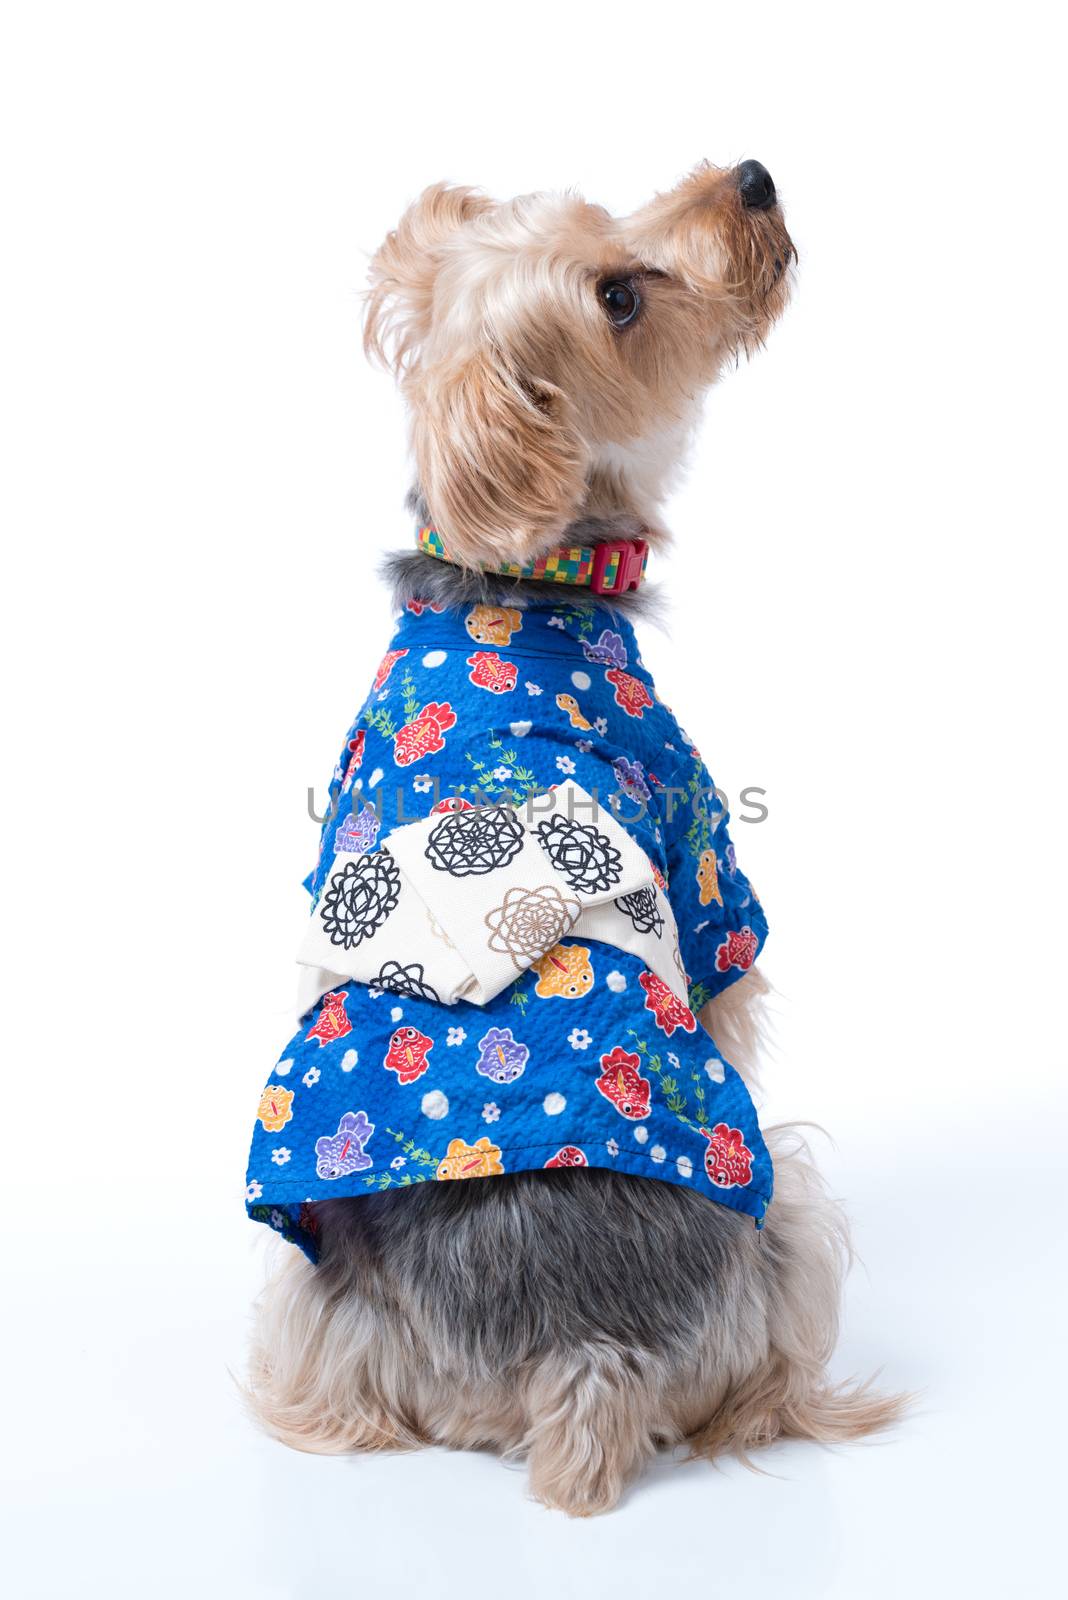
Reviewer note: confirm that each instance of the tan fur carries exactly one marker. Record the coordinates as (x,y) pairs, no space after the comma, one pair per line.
(526,406)
(738,1021)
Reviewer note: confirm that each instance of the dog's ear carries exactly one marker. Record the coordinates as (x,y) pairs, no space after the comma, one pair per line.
(500,457)
(403,270)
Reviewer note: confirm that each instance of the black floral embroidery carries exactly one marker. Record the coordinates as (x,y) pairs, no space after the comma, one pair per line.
(471,843)
(643,911)
(406,981)
(589,860)
(359,898)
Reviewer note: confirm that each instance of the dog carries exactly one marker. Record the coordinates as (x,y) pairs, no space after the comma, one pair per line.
(623,1276)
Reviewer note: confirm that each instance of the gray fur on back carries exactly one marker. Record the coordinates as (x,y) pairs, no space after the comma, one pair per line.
(504,1271)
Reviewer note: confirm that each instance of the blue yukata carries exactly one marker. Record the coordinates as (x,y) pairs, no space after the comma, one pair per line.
(587,1058)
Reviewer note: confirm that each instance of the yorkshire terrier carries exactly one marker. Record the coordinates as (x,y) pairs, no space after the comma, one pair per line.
(639,1265)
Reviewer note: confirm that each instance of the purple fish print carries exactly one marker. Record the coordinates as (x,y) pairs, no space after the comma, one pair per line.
(501,1057)
(630,775)
(609,651)
(358,833)
(343,1152)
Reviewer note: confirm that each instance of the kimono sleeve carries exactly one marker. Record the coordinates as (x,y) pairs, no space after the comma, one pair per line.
(722,926)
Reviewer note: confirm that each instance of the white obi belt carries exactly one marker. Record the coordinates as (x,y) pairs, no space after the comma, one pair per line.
(459,904)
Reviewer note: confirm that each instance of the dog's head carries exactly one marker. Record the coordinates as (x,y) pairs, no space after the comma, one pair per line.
(553,357)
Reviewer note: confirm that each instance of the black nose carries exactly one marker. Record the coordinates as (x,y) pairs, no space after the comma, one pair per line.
(755,185)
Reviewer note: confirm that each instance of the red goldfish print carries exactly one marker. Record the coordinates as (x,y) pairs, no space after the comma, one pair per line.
(738,950)
(424,735)
(407,1054)
(355,761)
(623,1084)
(488,671)
(332,1022)
(727,1161)
(667,1008)
(568,1155)
(451,804)
(386,665)
(631,692)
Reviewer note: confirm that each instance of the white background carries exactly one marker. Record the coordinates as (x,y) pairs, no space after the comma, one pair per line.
(868,598)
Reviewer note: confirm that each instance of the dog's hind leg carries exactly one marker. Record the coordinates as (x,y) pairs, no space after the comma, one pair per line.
(594,1419)
(327,1373)
(783,1391)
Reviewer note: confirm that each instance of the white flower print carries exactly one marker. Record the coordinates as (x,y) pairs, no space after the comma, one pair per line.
(684,1167)
(501,773)
(641,1133)
(584,745)
(423,783)
(714,1068)
(277,1219)
(283,1067)
(520,729)
(676,1064)
(556,622)
(398,1162)
(455,1036)
(281,1155)
(565,764)
(490,1111)
(612,1147)
(375,778)
(533,688)
(434,1105)
(553,1104)
(658,1153)
(311,1077)
(579,1039)
(253,1190)
(616,982)
(395,1013)
(373,993)
(601,724)
(349,1060)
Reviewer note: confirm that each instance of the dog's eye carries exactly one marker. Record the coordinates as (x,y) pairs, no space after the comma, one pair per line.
(621,302)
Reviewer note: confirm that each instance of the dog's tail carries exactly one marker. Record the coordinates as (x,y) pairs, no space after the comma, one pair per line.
(803,1255)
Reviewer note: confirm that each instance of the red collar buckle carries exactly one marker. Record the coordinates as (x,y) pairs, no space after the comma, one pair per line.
(628,569)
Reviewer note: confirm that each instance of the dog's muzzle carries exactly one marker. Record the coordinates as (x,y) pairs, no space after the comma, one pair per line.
(756,186)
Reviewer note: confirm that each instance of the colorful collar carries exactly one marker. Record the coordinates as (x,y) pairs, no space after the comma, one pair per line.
(608,568)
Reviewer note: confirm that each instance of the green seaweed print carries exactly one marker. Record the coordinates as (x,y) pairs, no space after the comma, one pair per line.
(674,1095)
(411,1153)
(520,783)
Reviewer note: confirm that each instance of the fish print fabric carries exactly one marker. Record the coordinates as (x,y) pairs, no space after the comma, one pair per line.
(588,1058)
